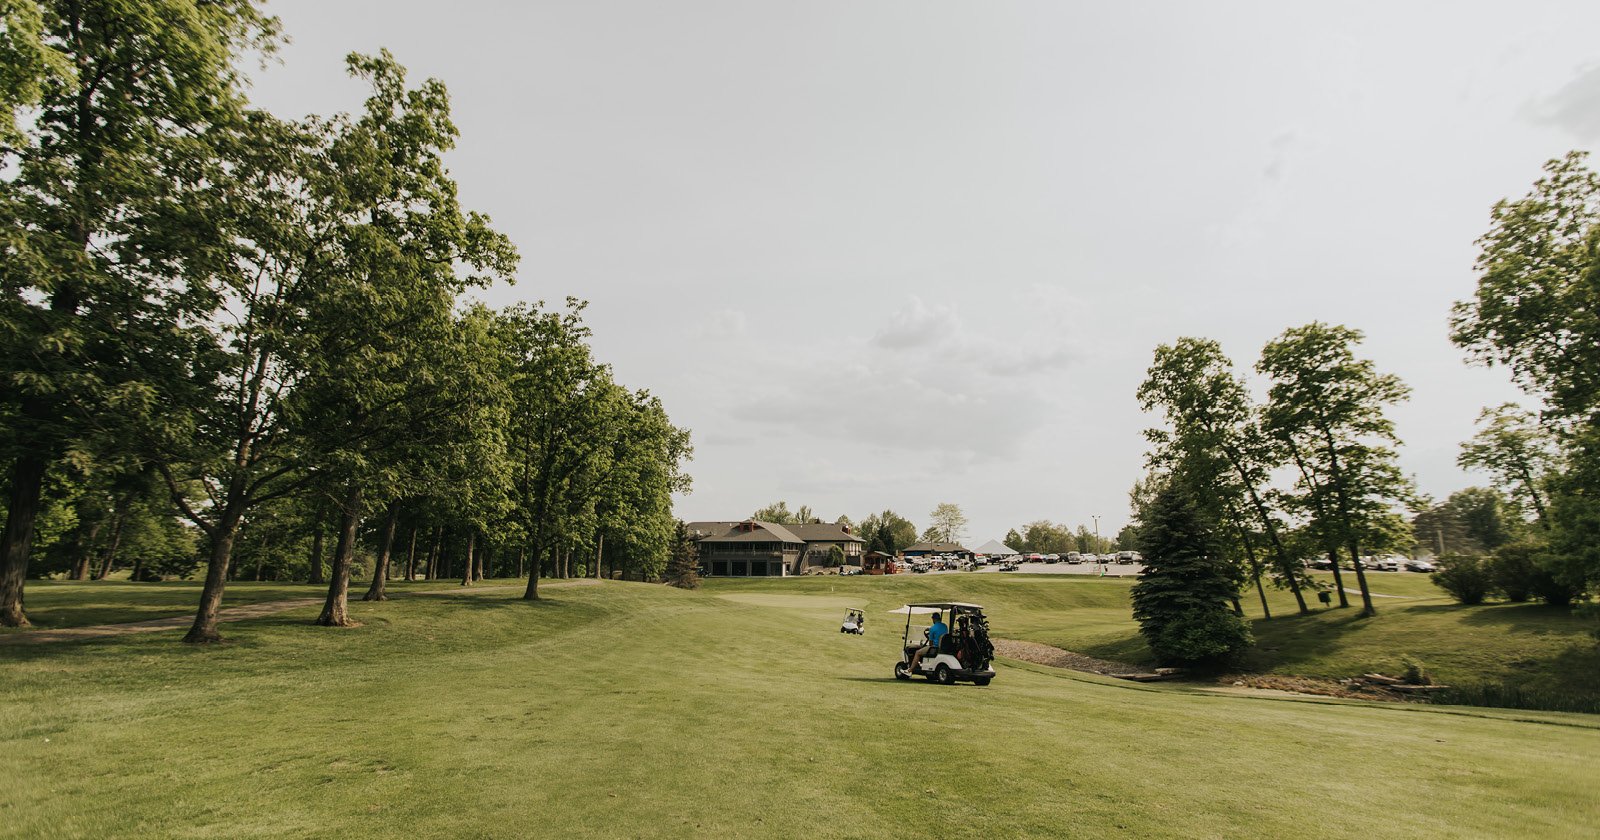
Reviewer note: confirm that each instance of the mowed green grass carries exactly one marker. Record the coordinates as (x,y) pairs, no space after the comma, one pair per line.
(630,710)
(1528,645)
(53,604)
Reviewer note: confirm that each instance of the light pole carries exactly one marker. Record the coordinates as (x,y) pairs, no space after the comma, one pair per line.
(1096,518)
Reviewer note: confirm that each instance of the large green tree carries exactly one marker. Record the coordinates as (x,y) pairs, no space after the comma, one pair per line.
(1536,311)
(1513,447)
(1326,407)
(383,322)
(103,225)
(888,532)
(1215,441)
(1182,598)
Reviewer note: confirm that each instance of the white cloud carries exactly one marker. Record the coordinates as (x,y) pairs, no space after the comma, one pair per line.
(917,325)
(1575,107)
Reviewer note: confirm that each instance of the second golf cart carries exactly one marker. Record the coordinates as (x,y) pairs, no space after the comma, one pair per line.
(964,653)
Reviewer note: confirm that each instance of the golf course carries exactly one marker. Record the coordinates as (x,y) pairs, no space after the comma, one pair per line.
(614,709)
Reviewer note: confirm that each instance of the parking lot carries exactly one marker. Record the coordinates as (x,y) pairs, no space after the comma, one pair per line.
(1062,568)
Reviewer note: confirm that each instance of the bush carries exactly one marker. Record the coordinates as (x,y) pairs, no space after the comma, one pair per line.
(1510,696)
(1465,577)
(1512,568)
(1553,587)
(1414,673)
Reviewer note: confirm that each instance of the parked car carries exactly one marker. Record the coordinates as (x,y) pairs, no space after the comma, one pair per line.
(1074,557)
(1052,558)
(1420,566)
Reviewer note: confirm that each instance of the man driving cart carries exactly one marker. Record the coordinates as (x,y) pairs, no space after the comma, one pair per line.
(947,657)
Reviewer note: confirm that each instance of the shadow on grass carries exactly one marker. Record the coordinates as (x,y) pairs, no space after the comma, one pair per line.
(1529,617)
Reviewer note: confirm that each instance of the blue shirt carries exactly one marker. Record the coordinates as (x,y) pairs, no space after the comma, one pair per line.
(936,632)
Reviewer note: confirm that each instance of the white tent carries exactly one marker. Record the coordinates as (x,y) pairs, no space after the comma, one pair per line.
(995,548)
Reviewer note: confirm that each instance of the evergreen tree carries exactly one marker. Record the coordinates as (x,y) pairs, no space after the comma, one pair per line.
(1182,598)
(683,569)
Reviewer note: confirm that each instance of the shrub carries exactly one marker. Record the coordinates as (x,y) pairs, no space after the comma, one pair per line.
(1552,584)
(1414,673)
(1465,577)
(1512,568)
(1510,696)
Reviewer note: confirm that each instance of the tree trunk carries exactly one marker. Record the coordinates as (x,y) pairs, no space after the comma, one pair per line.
(1238,608)
(137,572)
(432,571)
(336,610)
(380,575)
(532,591)
(316,556)
(599,551)
(1250,553)
(522,557)
(1338,579)
(411,556)
(466,574)
(27,482)
(109,558)
(1361,580)
(204,629)
(85,549)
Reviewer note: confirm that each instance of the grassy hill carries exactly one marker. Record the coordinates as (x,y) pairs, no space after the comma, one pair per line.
(1531,646)
(635,710)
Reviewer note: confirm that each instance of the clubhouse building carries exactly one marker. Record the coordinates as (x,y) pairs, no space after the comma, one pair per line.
(767,549)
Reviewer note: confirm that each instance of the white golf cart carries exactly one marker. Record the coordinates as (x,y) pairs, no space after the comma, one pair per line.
(964,653)
(854,622)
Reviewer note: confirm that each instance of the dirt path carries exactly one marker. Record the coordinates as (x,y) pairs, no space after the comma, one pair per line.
(239,613)
(1055,657)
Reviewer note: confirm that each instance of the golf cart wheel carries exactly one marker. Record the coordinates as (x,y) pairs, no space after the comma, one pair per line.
(943,676)
(900,671)
(981,681)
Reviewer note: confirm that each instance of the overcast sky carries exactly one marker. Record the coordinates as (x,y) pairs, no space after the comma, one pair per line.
(889,254)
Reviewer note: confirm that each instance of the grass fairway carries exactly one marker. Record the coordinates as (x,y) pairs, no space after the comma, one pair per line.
(633,710)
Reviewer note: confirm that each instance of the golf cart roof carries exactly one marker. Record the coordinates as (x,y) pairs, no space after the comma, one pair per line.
(929,609)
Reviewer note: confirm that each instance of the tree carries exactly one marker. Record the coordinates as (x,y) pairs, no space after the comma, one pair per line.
(1216,442)
(1511,446)
(888,532)
(1182,598)
(949,524)
(778,513)
(1471,521)
(1536,309)
(1326,408)
(1046,537)
(103,232)
(1014,540)
(683,568)
(381,322)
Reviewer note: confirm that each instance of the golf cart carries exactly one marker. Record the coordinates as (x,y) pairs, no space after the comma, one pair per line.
(854,622)
(964,653)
